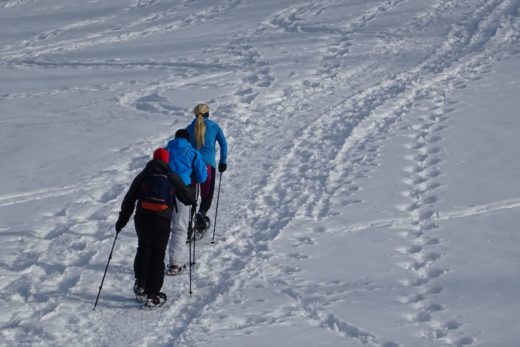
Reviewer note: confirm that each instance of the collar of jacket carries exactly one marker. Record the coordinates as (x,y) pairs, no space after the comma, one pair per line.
(157,164)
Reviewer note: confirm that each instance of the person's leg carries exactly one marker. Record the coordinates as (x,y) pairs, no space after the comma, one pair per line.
(160,233)
(206,190)
(177,247)
(142,256)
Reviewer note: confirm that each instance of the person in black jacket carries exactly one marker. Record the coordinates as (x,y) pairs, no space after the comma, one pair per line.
(152,223)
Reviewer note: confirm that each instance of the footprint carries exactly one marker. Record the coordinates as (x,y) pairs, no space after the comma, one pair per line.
(423,215)
(434,273)
(319,229)
(434,307)
(79,246)
(304,241)
(354,189)
(418,265)
(433,241)
(390,344)
(298,256)
(415,249)
(419,180)
(464,341)
(452,325)
(431,257)
(435,290)
(430,199)
(112,194)
(434,150)
(434,173)
(138,163)
(435,138)
(61,213)
(430,226)
(421,157)
(423,317)
(439,334)
(415,283)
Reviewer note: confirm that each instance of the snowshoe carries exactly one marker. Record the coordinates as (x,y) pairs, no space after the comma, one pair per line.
(174,270)
(139,291)
(199,234)
(202,222)
(154,301)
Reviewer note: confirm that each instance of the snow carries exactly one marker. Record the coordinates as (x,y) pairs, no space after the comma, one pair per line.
(372,194)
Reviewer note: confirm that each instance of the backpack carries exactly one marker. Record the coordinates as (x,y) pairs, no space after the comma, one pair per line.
(156,193)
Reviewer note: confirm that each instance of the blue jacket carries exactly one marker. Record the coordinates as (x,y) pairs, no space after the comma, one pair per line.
(182,163)
(213,134)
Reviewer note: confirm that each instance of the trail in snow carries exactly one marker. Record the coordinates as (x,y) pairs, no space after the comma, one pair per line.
(295,162)
(45,44)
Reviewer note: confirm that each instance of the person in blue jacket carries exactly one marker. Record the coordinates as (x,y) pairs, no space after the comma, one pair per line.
(204,134)
(186,162)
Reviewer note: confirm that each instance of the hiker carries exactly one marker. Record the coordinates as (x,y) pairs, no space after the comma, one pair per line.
(204,133)
(157,191)
(188,164)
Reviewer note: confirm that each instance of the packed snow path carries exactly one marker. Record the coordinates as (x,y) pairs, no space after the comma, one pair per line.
(336,224)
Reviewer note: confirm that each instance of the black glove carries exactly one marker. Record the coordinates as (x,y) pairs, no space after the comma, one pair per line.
(222,167)
(119,225)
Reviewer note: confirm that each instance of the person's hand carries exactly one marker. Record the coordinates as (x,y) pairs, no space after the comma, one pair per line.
(119,226)
(222,167)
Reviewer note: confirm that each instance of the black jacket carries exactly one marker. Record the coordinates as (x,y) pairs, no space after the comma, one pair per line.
(185,194)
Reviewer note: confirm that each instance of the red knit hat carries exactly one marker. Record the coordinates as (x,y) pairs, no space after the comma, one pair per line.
(162,154)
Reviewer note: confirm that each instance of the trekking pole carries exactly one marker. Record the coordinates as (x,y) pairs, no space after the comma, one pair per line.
(194,230)
(106,269)
(191,237)
(190,292)
(216,208)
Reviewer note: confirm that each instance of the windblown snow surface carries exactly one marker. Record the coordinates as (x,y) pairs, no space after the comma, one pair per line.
(372,196)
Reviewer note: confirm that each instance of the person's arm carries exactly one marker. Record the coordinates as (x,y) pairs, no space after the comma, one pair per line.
(221,139)
(185,194)
(128,204)
(199,166)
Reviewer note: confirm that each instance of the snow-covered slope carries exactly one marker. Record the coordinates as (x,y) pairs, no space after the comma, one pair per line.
(372,196)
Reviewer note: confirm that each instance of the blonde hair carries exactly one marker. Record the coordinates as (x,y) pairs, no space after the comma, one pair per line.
(200,125)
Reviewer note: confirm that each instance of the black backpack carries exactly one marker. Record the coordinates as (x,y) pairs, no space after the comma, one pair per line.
(156,193)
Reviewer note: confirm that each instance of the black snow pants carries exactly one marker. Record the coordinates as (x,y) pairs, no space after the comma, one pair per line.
(153,233)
